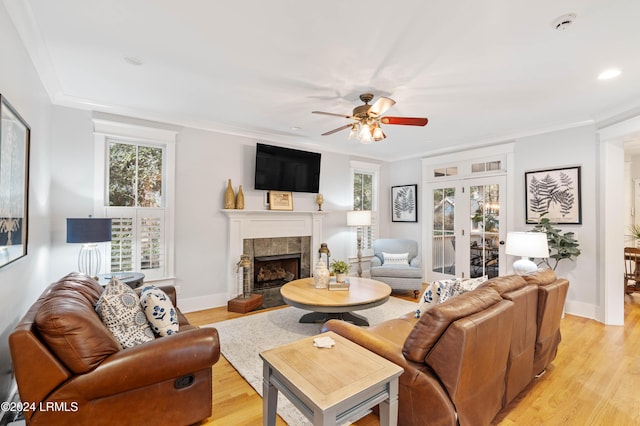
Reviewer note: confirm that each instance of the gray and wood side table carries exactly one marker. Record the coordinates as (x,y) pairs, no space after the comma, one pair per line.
(330,386)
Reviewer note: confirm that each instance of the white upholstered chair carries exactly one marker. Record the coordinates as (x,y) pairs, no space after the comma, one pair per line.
(402,269)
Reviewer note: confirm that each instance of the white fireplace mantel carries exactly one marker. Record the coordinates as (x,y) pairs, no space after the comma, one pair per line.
(246,224)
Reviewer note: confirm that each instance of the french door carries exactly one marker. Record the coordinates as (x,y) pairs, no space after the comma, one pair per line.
(465,222)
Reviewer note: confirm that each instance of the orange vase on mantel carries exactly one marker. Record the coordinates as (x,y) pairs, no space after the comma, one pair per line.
(229,197)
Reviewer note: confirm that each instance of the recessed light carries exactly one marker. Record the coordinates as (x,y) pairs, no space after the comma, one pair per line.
(295,128)
(608,74)
(132,60)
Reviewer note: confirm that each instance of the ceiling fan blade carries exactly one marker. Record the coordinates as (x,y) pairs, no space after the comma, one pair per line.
(405,121)
(330,132)
(330,113)
(380,106)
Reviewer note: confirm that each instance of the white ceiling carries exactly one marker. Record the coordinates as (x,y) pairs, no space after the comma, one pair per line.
(481,71)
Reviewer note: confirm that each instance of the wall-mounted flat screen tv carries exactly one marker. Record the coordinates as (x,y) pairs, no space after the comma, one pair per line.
(286,169)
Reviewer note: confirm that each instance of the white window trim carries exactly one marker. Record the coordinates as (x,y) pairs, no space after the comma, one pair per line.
(104,129)
(374,169)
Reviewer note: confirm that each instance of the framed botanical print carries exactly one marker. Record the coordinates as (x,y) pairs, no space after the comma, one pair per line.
(554,193)
(14,183)
(404,203)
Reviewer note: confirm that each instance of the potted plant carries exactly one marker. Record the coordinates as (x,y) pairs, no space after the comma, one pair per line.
(635,232)
(561,245)
(340,268)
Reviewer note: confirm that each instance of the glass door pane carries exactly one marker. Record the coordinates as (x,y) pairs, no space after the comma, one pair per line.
(443,245)
(484,239)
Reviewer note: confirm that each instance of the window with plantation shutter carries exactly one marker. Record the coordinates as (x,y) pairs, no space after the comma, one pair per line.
(122,243)
(364,179)
(135,178)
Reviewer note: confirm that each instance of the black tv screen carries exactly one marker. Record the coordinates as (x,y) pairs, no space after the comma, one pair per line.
(286,169)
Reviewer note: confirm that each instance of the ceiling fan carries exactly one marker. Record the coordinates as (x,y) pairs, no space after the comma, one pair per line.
(367,119)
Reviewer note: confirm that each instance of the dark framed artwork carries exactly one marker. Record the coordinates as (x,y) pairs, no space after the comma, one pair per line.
(14,183)
(555,193)
(404,203)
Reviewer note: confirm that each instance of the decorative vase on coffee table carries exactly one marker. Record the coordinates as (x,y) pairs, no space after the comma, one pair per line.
(321,275)
(341,277)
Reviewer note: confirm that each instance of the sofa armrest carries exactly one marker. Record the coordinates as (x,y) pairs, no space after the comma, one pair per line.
(375,261)
(162,359)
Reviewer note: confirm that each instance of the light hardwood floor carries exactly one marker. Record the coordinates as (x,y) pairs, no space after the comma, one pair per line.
(594,380)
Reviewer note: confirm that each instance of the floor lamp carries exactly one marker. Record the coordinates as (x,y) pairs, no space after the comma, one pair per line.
(89,232)
(359,219)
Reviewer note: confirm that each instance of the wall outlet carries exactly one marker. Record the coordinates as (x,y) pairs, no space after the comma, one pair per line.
(178,289)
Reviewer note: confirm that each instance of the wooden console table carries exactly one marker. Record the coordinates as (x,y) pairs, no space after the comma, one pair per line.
(330,386)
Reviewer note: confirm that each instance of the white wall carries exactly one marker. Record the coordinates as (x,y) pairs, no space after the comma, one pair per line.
(575,146)
(204,162)
(71,182)
(406,172)
(569,147)
(23,280)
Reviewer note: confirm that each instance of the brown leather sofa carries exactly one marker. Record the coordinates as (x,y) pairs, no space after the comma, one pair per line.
(70,369)
(468,357)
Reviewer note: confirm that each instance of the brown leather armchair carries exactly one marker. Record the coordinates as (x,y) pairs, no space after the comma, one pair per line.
(454,357)
(70,369)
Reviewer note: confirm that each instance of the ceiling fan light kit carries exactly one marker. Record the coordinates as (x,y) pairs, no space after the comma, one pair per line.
(366,126)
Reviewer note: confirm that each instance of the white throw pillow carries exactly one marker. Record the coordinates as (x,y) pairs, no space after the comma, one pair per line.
(119,309)
(160,312)
(472,283)
(395,258)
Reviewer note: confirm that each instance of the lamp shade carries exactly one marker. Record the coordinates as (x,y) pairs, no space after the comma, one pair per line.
(527,244)
(359,218)
(88,230)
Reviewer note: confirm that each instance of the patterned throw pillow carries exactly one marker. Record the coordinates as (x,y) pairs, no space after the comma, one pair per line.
(120,311)
(161,314)
(395,258)
(431,295)
(449,289)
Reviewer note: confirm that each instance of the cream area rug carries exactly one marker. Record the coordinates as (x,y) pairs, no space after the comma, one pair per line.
(242,339)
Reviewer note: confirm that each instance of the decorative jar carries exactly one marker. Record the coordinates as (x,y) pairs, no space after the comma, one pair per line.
(321,275)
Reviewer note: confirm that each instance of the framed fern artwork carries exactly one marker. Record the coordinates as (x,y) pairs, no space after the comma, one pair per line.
(404,203)
(554,193)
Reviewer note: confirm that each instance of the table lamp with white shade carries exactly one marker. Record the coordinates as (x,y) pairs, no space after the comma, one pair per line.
(527,245)
(359,219)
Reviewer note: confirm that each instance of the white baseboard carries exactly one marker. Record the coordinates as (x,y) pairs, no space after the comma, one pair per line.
(581,309)
(208,301)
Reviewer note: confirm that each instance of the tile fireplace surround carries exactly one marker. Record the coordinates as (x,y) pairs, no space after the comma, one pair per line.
(251,224)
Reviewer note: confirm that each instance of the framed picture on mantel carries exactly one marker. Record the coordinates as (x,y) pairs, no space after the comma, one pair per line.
(280,200)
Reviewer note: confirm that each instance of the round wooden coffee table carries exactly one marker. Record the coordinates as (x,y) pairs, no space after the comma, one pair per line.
(326,304)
